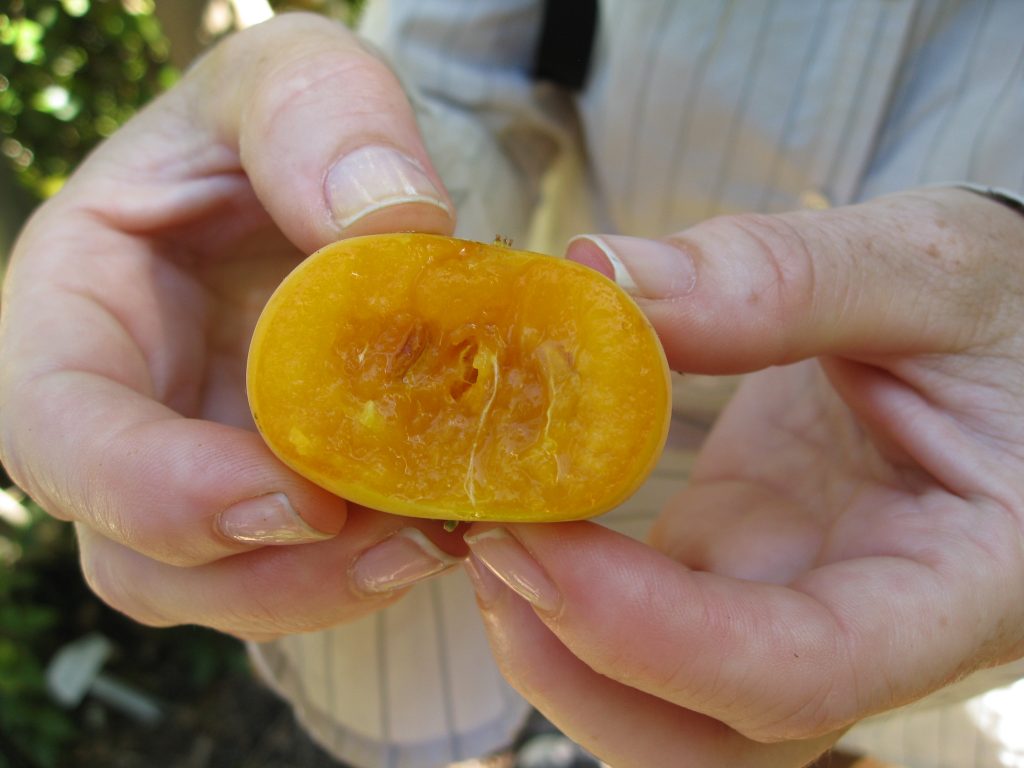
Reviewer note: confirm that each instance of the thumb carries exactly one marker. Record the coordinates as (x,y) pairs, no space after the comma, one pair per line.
(919,272)
(319,126)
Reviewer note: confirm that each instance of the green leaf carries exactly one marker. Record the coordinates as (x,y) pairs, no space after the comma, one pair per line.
(25,37)
(76,8)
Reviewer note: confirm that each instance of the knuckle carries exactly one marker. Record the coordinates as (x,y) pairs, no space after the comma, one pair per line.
(279,594)
(781,256)
(13,460)
(21,477)
(102,511)
(296,82)
(810,719)
(292,60)
(165,537)
(771,272)
(264,607)
(24,478)
(157,531)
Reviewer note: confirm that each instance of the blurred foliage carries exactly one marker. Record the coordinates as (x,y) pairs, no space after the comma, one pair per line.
(30,620)
(72,72)
(44,604)
(344,10)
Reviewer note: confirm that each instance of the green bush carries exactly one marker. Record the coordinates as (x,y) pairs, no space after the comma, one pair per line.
(32,547)
(44,604)
(73,71)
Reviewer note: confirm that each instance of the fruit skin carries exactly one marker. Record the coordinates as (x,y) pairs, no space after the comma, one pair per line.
(433,377)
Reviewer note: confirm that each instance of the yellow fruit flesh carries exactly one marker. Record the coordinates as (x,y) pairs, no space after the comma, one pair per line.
(434,377)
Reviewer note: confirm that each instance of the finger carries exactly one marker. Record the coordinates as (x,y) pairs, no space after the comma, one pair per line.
(317,124)
(924,272)
(182,491)
(84,431)
(622,725)
(704,643)
(274,591)
(861,635)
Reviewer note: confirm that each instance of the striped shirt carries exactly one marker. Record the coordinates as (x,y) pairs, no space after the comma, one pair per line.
(692,108)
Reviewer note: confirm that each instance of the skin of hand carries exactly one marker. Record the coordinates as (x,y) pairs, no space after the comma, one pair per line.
(851,538)
(127,310)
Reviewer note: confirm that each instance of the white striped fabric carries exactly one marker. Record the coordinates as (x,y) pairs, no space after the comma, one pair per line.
(693,108)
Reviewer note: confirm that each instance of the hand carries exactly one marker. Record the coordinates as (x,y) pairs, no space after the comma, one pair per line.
(851,539)
(127,312)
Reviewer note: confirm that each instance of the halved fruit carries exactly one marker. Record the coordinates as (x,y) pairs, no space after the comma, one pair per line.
(433,377)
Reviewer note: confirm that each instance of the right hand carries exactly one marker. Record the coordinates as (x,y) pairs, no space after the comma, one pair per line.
(127,312)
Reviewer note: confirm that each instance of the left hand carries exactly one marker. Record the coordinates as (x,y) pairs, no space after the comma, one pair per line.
(127,313)
(851,539)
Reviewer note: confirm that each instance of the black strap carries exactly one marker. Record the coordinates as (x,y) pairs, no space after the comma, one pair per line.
(566,42)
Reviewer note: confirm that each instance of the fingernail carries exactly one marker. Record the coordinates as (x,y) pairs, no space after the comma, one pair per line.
(370,179)
(644,268)
(269,519)
(485,583)
(398,562)
(507,559)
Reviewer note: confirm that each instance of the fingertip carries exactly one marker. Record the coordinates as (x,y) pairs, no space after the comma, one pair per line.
(646,269)
(590,251)
(511,562)
(272,519)
(403,215)
(324,132)
(376,189)
(398,562)
(486,585)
